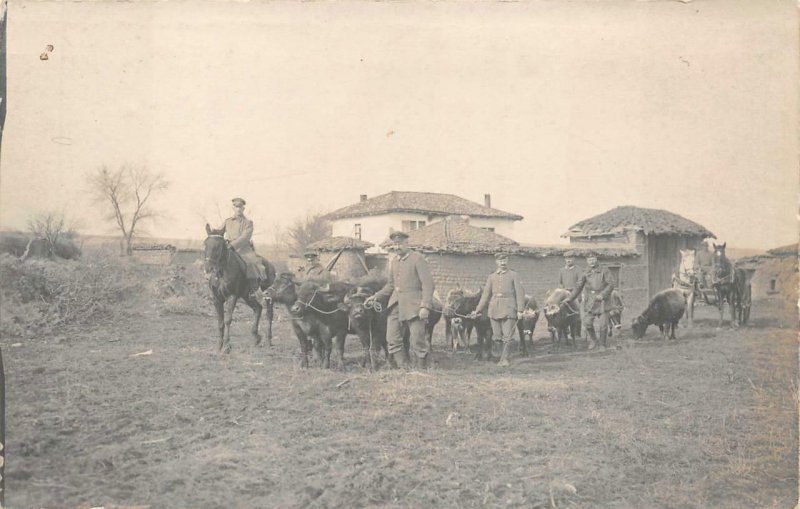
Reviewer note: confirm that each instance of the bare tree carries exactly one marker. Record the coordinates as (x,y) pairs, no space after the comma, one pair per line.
(306,230)
(51,227)
(128,193)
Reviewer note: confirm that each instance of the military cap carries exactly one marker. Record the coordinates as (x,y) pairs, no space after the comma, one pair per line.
(237,202)
(397,235)
(501,256)
(569,254)
(310,254)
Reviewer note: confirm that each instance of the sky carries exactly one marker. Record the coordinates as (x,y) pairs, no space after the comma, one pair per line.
(559,110)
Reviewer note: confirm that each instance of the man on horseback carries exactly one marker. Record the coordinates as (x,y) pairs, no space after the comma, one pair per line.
(239,232)
(598,284)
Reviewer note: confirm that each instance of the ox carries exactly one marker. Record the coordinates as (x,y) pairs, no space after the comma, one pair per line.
(563,317)
(367,322)
(527,324)
(461,305)
(322,305)
(284,291)
(665,310)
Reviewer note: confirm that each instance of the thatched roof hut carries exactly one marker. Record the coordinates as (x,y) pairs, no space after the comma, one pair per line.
(647,221)
(658,235)
(343,256)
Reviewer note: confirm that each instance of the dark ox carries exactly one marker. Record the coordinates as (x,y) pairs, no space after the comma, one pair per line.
(306,328)
(563,318)
(665,310)
(459,304)
(367,322)
(526,325)
(322,304)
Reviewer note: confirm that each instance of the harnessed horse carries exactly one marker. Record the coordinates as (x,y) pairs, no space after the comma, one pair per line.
(724,282)
(687,282)
(227,280)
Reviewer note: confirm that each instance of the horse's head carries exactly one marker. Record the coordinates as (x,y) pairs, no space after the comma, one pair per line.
(719,251)
(283,289)
(214,248)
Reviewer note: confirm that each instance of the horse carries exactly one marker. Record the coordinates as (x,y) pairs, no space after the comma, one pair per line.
(228,283)
(726,281)
(687,282)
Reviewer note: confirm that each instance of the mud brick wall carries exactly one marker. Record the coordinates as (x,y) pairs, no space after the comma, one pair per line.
(538,274)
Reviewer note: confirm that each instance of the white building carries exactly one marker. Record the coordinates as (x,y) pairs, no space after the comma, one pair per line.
(372,219)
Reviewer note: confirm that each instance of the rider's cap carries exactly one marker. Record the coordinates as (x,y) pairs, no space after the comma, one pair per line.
(569,254)
(398,235)
(310,254)
(238,202)
(501,256)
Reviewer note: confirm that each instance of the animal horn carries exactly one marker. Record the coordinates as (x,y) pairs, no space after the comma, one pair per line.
(208,229)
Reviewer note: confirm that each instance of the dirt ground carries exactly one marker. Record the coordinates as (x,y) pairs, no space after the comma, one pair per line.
(709,420)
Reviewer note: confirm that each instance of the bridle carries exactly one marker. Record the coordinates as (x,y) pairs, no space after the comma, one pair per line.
(216,265)
(311,306)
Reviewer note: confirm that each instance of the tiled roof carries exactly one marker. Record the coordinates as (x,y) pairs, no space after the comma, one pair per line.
(424,203)
(649,221)
(338,243)
(454,235)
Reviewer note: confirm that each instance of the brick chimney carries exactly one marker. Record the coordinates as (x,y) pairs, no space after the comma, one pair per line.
(487,200)
(363,197)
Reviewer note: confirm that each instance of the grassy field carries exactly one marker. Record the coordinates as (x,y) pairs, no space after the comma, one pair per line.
(709,420)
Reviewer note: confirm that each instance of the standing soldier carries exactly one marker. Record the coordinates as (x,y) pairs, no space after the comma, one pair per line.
(239,232)
(569,275)
(505,297)
(410,292)
(598,285)
(568,278)
(315,270)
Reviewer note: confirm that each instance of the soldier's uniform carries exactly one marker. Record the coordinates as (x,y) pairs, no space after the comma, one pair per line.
(409,288)
(239,232)
(315,270)
(595,282)
(505,298)
(568,277)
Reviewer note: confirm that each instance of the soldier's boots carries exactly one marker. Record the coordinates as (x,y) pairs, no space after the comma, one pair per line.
(592,339)
(603,339)
(504,356)
(401,359)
